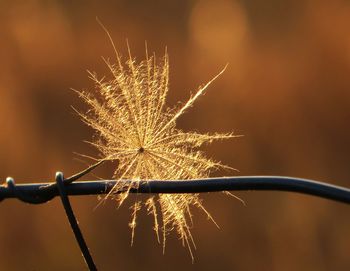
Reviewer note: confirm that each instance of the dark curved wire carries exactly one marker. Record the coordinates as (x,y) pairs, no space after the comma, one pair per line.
(41,192)
(37,193)
(73,222)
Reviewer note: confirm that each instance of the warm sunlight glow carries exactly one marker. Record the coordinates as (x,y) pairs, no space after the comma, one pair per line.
(135,128)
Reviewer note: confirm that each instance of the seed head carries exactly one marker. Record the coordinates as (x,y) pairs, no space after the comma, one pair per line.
(135,128)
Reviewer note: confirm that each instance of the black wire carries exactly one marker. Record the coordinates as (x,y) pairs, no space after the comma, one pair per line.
(42,192)
(73,222)
(37,193)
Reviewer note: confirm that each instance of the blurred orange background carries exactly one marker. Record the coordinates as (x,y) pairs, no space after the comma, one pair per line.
(287,89)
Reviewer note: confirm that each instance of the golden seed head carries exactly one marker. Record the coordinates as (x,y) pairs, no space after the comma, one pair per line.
(136,128)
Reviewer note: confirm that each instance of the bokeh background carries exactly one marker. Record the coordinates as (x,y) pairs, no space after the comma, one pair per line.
(287,89)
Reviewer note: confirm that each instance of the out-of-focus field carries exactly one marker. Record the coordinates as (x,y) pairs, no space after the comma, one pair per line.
(287,89)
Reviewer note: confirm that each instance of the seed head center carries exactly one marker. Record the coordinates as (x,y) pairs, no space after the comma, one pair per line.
(141,150)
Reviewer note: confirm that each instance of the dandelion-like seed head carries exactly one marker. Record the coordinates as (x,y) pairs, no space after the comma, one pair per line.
(135,128)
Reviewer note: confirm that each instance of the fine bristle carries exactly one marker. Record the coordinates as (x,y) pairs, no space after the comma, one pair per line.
(136,128)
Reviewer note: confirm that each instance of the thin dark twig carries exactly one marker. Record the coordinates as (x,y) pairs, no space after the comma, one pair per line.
(82,173)
(39,191)
(73,222)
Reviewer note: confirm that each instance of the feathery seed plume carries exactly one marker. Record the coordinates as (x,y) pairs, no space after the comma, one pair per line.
(135,128)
